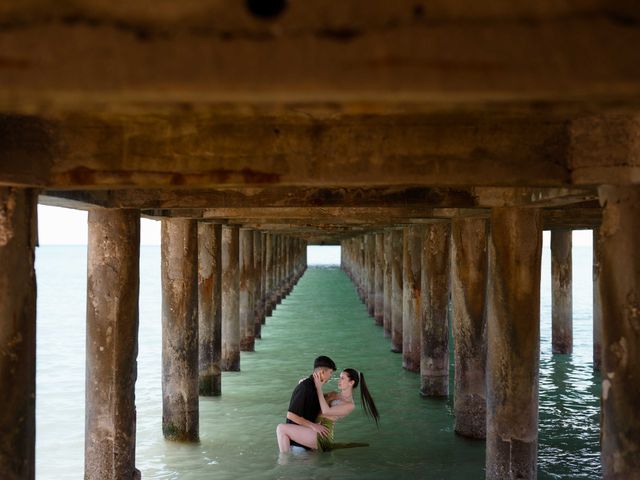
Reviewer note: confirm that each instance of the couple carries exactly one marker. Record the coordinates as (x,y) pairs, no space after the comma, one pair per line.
(312,413)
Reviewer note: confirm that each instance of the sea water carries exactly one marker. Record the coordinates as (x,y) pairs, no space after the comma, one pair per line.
(322,315)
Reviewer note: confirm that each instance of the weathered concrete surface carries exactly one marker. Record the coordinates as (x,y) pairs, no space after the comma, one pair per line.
(411,297)
(597,303)
(468,286)
(230,360)
(268,275)
(18,233)
(620,296)
(209,309)
(180,411)
(561,292)
(397,283)
(258,302)
(378,304)
(113,259)
(434,311)
(246,296)
(277,269)
(513,346)
(387,300)
(370,246)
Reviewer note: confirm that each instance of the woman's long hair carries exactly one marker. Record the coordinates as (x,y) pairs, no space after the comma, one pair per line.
(368,404)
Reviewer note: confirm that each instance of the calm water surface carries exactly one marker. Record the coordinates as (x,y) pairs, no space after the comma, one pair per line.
(322,316)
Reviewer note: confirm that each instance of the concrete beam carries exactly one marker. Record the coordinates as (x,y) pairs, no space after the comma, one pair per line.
(361,51)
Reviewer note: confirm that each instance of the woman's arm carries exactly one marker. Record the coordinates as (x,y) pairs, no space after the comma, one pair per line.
(337,411)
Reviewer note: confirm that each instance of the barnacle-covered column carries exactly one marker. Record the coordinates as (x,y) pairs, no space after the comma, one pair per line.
(209,308)
(620,297)
(513,347)
(18,232)
(561,302)
(434,309)
(411,297)
(230,360)
(468,285)
(113,259)
(246,296)
(180,414)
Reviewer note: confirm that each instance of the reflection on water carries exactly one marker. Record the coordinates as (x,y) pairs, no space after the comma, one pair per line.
(322,316)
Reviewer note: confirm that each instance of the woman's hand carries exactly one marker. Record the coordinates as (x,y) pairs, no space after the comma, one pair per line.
(320,429)
(317,380)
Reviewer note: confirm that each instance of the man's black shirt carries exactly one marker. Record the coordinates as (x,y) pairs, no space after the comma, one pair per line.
(304,402)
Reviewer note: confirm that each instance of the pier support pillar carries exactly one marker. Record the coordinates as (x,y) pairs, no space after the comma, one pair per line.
(412,249)
(434,352)
(209,308)
(18,233)
(268,274)
(246,301)
(561,301)
(513,348)
(386,303)
(180,414)
(396,290)
(258,303)
(112,344)
(370,244)
(597,304)
(468,285)
(620,296)
(378,308)
(230,361)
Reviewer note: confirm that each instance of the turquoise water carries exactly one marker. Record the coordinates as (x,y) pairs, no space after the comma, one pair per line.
(322,316)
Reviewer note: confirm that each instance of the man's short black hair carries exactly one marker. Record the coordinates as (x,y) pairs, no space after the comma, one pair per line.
(324,361)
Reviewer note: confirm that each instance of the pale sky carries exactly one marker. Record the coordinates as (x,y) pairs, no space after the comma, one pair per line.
(63,226)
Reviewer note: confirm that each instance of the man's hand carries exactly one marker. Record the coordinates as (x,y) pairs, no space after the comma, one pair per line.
(320,429)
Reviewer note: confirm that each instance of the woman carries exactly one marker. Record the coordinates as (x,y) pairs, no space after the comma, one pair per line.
(333,407)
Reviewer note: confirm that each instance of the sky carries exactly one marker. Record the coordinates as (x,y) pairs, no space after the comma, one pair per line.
(63,226)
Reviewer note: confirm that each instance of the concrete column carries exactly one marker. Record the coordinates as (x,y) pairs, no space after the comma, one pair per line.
(434,352)
(411,301)
(371,273)
(561,302)
(396,290)
(277,272)
(268,274)
(246,303)
(468,285)
(386,317)
(230,361)
(263,277)
(18,233)
(258,302)
(112,344)
(209,308)
(180,415)
(513,349)
(362,263)
(620,297)
(287,265)
(378,308)
(597,304)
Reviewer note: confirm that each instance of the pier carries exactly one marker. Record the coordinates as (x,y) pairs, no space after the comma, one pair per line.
(433,143)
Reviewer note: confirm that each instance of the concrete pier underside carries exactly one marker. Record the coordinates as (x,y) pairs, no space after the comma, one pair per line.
(350,126)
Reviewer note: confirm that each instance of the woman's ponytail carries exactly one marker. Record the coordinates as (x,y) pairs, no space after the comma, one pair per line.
(368,404)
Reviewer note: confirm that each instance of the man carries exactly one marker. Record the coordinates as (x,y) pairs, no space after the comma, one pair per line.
(304,406)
